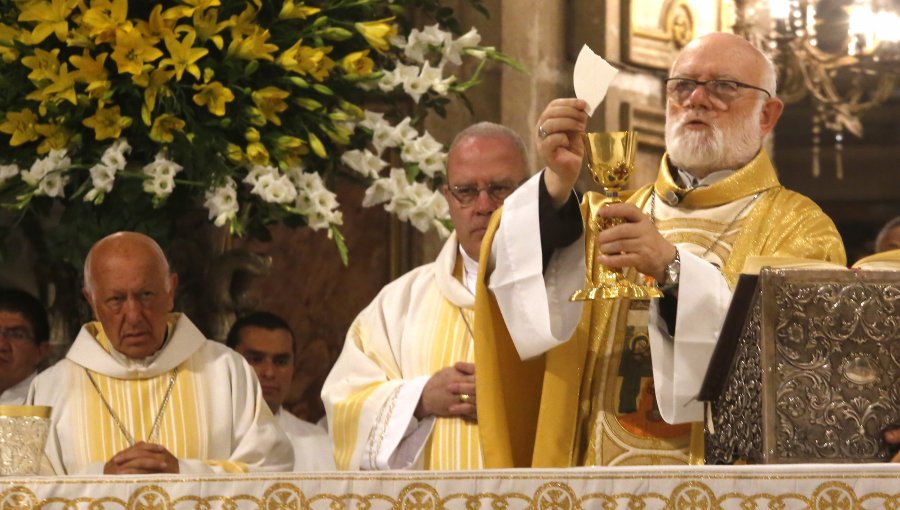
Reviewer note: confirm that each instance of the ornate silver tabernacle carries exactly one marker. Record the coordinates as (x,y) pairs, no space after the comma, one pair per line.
(807,368)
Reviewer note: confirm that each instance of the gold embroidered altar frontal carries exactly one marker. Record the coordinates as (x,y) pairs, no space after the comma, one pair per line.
(820,487)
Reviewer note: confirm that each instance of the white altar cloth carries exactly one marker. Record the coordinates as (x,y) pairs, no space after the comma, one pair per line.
(783,487)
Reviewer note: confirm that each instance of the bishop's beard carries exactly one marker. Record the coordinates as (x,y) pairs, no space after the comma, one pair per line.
(704,152)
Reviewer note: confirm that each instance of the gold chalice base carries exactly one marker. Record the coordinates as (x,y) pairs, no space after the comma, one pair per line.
(614,286)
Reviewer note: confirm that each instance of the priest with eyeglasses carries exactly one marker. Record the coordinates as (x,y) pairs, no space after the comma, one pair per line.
(614,382)
(402,393)
(142,391)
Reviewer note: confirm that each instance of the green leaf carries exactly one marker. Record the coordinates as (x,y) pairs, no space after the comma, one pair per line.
(340,242)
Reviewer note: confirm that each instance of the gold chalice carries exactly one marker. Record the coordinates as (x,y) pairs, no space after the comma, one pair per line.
(610,158)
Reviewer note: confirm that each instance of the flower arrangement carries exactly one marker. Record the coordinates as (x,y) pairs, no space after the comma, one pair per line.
(130,113)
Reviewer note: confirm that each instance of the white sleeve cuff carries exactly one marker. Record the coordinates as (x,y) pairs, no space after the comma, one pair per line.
(405,436)
(680,364)
(534,304)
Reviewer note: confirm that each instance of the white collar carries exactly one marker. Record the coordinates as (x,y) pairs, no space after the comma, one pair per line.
(470,271)
(687,181)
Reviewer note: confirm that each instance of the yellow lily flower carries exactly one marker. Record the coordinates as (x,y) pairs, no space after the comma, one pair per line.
(213,96)
(358,63)
(377,32)
(164,127)
(290,10)
(183,55)
(80,37)
(289,150)
(44,64)
(158,26)
(270,101)
(253,46)
(257,153)
(89,69)
(234,154)
(107,123)
(154,83)
(8,34)
(207,25)
(56,137)
(52,18)
(307,60)
(321,64)
(61,88)
(244,23)
(203,4)
(132,51)
(21,126)
(104,19)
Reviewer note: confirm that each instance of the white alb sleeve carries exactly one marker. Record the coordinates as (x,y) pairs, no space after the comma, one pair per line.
(680,363)
(535,304)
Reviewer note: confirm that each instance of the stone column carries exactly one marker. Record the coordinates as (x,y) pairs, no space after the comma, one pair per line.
(533,32)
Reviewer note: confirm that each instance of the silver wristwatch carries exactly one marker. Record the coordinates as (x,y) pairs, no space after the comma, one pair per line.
(673,273)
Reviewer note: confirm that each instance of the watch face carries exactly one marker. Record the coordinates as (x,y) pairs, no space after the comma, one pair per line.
(673,270)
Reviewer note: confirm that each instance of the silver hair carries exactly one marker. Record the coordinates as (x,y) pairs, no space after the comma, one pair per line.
(770,75)
(890,225)
(487,129)
(88,277)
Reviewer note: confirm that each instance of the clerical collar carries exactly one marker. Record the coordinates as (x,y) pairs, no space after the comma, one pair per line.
(687,181)
(470,271)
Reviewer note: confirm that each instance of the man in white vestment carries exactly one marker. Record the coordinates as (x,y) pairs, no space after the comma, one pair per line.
(142,390)
(24,343)
(266,341)
(716,202)
(402,393)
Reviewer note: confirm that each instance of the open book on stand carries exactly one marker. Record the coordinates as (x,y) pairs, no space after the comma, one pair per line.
(807,366)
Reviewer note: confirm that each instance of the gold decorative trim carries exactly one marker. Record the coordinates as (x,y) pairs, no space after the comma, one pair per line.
(423,495)
(17,411)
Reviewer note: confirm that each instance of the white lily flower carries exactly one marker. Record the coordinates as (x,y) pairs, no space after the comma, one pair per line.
(114,155)
(258,171)
(275,189)
(8,172)
(102,177)
(52,185)
(222,202)
(453,50)
(363,162)
(55,161)
(160,186)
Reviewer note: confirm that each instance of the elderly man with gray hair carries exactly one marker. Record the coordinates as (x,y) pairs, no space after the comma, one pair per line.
(402,393)
(597,395)
(142,391)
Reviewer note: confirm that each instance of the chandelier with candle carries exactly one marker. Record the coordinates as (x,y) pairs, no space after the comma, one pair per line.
(843,54)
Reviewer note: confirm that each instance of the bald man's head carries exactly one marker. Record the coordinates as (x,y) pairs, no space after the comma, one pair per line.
(131,291)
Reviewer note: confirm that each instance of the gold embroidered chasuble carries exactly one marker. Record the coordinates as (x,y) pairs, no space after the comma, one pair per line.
(591,400)
(215,419)
(417,325)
